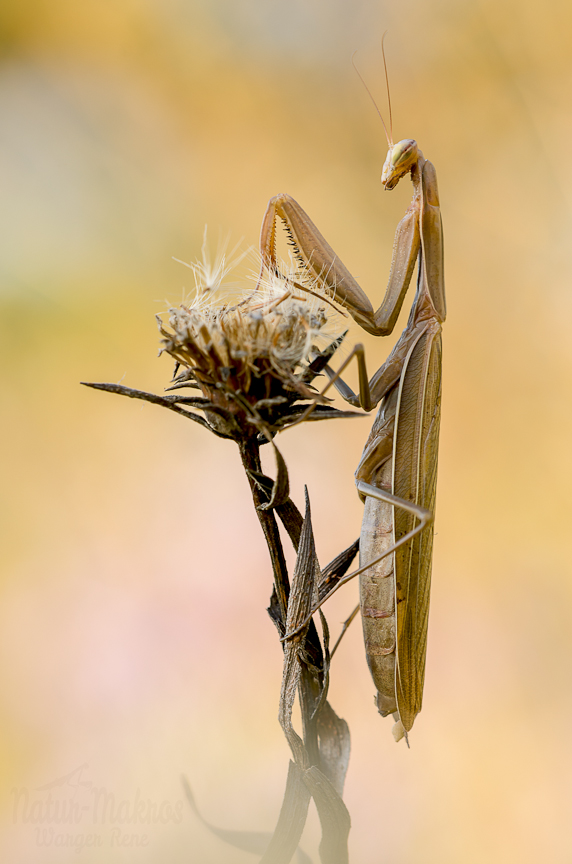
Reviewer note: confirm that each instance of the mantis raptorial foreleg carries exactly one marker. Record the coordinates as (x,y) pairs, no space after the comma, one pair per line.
(396,476)
(322,265)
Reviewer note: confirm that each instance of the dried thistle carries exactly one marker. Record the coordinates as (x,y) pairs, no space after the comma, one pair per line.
(252,360)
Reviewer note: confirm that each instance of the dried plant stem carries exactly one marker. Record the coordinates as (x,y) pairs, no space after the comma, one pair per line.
(250,455)
(321,756)
(311,682)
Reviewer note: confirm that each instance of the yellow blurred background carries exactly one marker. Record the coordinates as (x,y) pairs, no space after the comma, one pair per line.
(134,638)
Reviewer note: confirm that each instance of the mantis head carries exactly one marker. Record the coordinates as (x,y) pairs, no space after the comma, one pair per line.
(401,158)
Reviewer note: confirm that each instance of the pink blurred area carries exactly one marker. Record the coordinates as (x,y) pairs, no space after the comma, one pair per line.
(135,646)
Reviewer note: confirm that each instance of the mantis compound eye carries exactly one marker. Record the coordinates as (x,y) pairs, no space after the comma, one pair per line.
(404,152)
(400,159)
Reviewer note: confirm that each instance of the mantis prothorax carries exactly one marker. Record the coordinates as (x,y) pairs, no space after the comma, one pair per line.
(396,476)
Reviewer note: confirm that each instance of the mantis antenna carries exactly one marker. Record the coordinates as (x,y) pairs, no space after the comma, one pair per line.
(389,135)
(387,85)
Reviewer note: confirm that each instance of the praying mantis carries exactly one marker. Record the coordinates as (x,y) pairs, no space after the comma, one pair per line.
(396,476)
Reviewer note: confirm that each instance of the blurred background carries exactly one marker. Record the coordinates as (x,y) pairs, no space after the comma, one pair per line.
(134,640)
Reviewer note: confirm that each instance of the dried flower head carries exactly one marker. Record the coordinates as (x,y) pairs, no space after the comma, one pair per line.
(255,358)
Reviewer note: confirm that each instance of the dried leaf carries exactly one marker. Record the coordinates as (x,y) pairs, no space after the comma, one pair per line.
(281,486)
(249,841)
(334,742)
(334,817)
(322,359)
(289,514)
(336,569)
(299,604)
(320,412)
(291,821)
(164,401)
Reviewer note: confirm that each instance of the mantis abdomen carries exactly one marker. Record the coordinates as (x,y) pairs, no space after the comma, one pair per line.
(377,594)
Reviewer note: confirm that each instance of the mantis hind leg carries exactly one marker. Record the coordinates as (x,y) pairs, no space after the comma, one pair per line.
(381,590)
(345,628)
(425,519)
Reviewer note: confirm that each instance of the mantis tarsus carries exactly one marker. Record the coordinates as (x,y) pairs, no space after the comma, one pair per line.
(396,476)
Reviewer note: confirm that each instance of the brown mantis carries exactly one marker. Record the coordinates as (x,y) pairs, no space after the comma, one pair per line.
(397,474)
